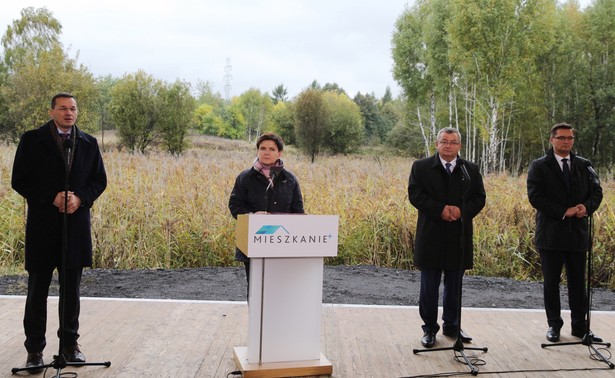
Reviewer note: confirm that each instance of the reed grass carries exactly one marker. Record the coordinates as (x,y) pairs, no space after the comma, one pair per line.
(161,211)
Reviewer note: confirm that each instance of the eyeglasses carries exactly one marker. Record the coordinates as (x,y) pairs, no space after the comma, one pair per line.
(448,142)
(563,138)
(65,109)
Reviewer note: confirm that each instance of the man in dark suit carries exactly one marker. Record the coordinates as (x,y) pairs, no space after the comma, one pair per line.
(564,191)
(43,158)
(447,201)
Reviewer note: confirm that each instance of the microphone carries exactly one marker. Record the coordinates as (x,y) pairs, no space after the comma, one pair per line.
(464,170)
(68,146)
(593,175)
(274,172)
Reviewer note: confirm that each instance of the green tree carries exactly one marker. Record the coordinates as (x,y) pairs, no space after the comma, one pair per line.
(406,139)
(387,97)
(391,113)
(29,76)
(310,121)
(208,121)
(37,31)
(223,121)
(136,109)
(234,122)
(200,113)
(283,121)
(521,31)
(145,109)
(412,68)
(344,124)
(206,95)
(255,107)
(176,116)
(372,119)
(315,85)
(104,85)
(279,94)
(30,86)
(333,87)
(598,33)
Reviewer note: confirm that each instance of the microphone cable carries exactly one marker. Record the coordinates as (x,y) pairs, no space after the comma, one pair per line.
(461,373)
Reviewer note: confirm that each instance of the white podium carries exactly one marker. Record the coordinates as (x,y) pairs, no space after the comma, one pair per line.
(285,298)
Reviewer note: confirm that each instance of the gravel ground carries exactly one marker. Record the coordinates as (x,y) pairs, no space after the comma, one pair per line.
(342,285)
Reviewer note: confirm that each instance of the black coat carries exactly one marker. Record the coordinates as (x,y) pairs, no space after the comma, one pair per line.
(549,195)
(430,188)
(39,174)
(250,195)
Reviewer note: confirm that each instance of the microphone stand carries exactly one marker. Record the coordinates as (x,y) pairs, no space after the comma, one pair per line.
(458,346)
(588,338)
(59,361)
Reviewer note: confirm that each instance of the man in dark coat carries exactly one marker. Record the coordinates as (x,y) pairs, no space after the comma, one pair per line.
(43,157)
(447,201)
(564,190)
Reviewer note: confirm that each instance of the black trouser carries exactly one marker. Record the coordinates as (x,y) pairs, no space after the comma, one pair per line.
(35,316)
(429,297)
(552,263)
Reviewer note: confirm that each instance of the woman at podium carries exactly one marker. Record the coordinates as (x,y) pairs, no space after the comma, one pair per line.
(266,187)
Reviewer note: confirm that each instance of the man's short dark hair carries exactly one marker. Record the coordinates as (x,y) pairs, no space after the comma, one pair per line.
(61,95)
(279,142)
(562,125)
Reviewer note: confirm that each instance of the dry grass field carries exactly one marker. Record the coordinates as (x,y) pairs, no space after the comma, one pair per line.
(161,211)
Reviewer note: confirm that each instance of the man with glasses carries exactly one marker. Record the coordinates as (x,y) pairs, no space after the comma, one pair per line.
(444,188)
(561,186)
(43,159)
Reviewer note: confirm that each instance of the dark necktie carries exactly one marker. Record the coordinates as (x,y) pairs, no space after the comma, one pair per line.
(448,168)
(566,171)
(64,136)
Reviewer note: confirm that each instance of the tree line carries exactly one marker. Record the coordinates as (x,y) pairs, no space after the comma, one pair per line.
(501,72)
(504,72)
(148,112)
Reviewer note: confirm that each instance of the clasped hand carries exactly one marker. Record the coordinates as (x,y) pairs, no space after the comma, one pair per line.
(72,204)
(450,213)
(578,211)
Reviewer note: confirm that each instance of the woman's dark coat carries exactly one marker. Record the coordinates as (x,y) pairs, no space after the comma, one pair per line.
(39,174)
(252,193)
(430,188)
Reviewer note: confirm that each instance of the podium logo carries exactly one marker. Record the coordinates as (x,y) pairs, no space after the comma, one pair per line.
(278,234)
(270,230)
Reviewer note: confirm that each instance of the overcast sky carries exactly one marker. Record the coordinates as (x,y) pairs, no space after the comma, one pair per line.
(268,42)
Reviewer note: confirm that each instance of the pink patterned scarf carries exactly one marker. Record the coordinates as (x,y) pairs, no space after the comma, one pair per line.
(265,170)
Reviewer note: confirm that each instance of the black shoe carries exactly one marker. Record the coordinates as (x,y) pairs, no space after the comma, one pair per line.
(73,354)
(462,335)
(553,334)
(428,340)
(35,359)
(581,335)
